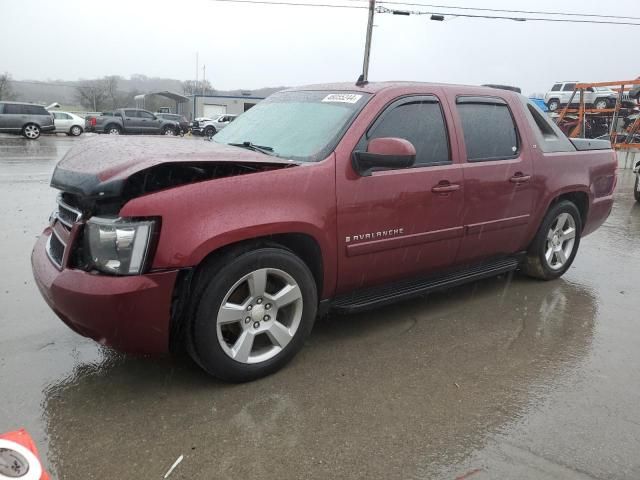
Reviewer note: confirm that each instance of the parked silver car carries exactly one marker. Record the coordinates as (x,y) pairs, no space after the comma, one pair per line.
(212,127)
(560,94)
(69,123)
(25,119)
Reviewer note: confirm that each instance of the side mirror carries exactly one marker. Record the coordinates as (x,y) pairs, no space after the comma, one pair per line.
(384,154)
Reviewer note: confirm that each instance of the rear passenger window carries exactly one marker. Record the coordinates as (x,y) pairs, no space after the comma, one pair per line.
(569,87)
(422,123)
(14,108)
(488,129)
(556,87)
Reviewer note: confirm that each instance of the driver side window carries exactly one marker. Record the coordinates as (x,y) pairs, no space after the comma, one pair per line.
(419,121)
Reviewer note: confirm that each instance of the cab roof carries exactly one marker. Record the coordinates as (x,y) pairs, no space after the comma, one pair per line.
(377,87)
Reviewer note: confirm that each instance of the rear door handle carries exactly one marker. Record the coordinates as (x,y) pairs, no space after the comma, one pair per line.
(520,177)
(445,187)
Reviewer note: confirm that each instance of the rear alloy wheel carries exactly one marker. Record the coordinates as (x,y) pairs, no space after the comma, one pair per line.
(556,243)
(253,314)
(31,131)
(553,105)
(636,188)
(600,104)
(76,130)
(113,130)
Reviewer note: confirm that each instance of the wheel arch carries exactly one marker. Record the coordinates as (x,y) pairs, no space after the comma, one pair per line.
(25,124)
(579,198)
(303,245)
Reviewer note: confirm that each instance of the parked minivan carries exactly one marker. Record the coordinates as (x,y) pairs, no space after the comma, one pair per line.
(25,119)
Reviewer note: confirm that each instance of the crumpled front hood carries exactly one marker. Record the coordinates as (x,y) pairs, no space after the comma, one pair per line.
(101,165)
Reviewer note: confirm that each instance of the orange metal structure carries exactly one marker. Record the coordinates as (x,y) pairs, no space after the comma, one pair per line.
(620,86)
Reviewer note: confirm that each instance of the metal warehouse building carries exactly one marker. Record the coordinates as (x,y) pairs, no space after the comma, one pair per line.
(211,105)
(193,106)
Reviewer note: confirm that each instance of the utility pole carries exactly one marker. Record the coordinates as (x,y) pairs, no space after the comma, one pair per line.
(195,87)
(204,77)
(364,78)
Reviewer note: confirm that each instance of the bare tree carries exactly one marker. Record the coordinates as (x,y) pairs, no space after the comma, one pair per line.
(111,88)
(6,89)
(93,94)
(191,87)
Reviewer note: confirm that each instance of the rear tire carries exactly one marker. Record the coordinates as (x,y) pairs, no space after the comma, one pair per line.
(556,244)
(113,130)
(76,131)
(31,131)
(553,104)
(636,188)
(273,295)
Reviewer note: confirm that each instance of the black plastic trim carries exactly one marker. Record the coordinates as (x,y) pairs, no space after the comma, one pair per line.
(373,297)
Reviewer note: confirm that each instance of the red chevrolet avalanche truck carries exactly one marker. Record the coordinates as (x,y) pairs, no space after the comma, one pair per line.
(333,197)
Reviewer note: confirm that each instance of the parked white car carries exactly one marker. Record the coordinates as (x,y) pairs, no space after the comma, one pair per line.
(560,94)
(67,122)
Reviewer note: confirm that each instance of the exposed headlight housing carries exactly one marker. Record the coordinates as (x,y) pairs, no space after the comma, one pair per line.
(118,246)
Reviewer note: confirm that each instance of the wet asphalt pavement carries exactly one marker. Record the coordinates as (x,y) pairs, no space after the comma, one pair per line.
(506,378)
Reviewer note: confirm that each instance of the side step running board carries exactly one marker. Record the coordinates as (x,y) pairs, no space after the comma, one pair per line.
(382,295)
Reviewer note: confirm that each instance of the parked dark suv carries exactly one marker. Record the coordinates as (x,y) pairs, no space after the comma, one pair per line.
(25,119)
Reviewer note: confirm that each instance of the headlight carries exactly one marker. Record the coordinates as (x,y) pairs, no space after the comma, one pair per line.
(118,246)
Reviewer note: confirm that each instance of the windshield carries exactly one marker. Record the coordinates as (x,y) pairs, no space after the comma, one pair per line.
(302,125)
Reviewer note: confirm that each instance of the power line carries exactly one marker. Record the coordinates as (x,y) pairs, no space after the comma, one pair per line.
(410,12)
(293,4)
(497,10)
(501,17)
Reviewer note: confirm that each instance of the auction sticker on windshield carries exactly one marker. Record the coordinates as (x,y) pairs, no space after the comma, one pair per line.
(342,97)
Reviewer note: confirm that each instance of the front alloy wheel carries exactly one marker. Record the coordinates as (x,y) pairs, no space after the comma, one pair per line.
(259,315)
(251,312)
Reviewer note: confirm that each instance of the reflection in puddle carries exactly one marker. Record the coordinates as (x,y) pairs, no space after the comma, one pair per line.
(371,395)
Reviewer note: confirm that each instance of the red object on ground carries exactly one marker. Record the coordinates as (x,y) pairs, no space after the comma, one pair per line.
(21,437)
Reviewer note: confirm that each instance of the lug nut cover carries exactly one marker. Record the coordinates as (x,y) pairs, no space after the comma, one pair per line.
(256,324)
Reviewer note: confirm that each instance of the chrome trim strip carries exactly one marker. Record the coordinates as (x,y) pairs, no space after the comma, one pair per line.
(64,244)
(48,250)
(56,215)
(69,207)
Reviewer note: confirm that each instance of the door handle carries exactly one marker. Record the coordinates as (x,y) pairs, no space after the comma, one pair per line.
(445,187)
(520,177)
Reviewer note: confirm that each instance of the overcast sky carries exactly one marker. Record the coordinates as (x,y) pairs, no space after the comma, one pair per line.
(251,46)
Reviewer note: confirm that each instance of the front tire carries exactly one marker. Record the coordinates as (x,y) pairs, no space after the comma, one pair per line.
(31,131)
(209,132)
(556,244)
(636,188)
(168,131)
(600,103)
(252,311)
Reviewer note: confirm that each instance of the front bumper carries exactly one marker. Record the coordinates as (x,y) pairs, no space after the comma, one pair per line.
(131,314)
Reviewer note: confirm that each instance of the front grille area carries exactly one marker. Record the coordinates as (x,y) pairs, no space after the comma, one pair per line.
(62,222)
